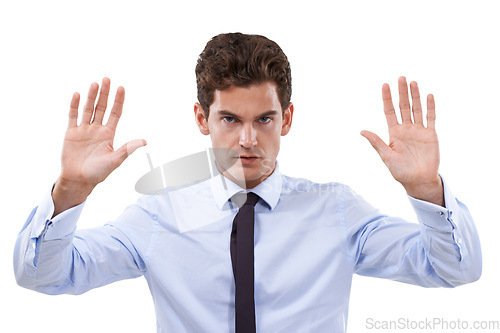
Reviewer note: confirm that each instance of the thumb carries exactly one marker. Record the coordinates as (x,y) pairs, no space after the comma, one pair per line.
(127,149)
(377,143)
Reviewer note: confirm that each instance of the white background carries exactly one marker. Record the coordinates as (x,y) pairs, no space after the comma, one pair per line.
(340,52)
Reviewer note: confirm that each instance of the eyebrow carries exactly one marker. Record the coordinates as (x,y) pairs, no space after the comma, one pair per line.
(234,115)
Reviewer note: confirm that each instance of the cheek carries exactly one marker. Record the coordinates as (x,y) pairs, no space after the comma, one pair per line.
(215,130)
(268,164)
(271,145)
(222,136)
(272,135)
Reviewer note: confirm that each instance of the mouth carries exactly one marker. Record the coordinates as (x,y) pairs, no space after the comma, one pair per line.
(247,159)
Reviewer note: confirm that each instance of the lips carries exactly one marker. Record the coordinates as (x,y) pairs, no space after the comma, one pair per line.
(246,159)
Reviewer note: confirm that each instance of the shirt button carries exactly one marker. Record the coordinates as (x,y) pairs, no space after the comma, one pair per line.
(441,214)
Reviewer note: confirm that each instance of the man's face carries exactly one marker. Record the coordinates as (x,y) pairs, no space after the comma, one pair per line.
(248,122)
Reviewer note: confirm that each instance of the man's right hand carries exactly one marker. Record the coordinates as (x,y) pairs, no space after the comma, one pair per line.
(88,156)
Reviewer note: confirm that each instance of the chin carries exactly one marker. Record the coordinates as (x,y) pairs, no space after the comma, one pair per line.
(244,175)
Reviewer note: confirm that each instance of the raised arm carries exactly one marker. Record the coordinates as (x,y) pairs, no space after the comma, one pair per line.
(50,255)
(88,156)
(444,249)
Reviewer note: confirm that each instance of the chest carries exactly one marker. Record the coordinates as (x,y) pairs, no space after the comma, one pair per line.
(300,255)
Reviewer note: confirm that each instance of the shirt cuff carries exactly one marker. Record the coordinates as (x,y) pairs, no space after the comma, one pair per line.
(435,216)
(59,226)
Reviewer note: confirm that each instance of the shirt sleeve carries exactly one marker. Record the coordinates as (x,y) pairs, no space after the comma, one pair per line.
(53,257)
(442,250)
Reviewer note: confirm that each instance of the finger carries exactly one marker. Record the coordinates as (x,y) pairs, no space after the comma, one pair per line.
(102,102)
(404,102)
(416,106)
(127,149)
(88,110)
(377,143)
(116,111)
(390,114)
(431,112)
(73,110)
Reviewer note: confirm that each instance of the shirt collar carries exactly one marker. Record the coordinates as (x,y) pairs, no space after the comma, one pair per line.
(269,190)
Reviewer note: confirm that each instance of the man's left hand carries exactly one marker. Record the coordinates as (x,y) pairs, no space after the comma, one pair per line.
(412,155)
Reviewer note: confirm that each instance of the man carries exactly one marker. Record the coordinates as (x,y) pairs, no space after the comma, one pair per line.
(294,274)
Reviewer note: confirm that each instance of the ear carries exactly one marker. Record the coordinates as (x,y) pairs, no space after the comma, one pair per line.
(287,119)
(201,120)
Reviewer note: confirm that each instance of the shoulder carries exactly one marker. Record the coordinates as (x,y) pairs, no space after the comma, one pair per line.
(333,192)
(303,185)
(293,187)
(171,206)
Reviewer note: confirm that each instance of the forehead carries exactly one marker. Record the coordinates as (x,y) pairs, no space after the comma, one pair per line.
(247,100)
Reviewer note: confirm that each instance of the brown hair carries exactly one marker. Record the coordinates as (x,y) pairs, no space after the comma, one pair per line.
(236,59)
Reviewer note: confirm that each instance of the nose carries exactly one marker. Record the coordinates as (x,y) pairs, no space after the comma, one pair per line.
(248,136)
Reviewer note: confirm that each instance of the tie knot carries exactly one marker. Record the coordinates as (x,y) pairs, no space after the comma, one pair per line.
(242,199)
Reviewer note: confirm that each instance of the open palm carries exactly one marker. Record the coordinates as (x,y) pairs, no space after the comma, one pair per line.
(88,156)
(412,155)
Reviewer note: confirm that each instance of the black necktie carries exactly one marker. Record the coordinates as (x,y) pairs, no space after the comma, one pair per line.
(242,243)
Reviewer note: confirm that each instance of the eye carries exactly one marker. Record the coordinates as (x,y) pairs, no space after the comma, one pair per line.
(228,119)
(265,120)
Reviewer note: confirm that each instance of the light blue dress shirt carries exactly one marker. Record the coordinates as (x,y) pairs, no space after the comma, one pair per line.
(309,240)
